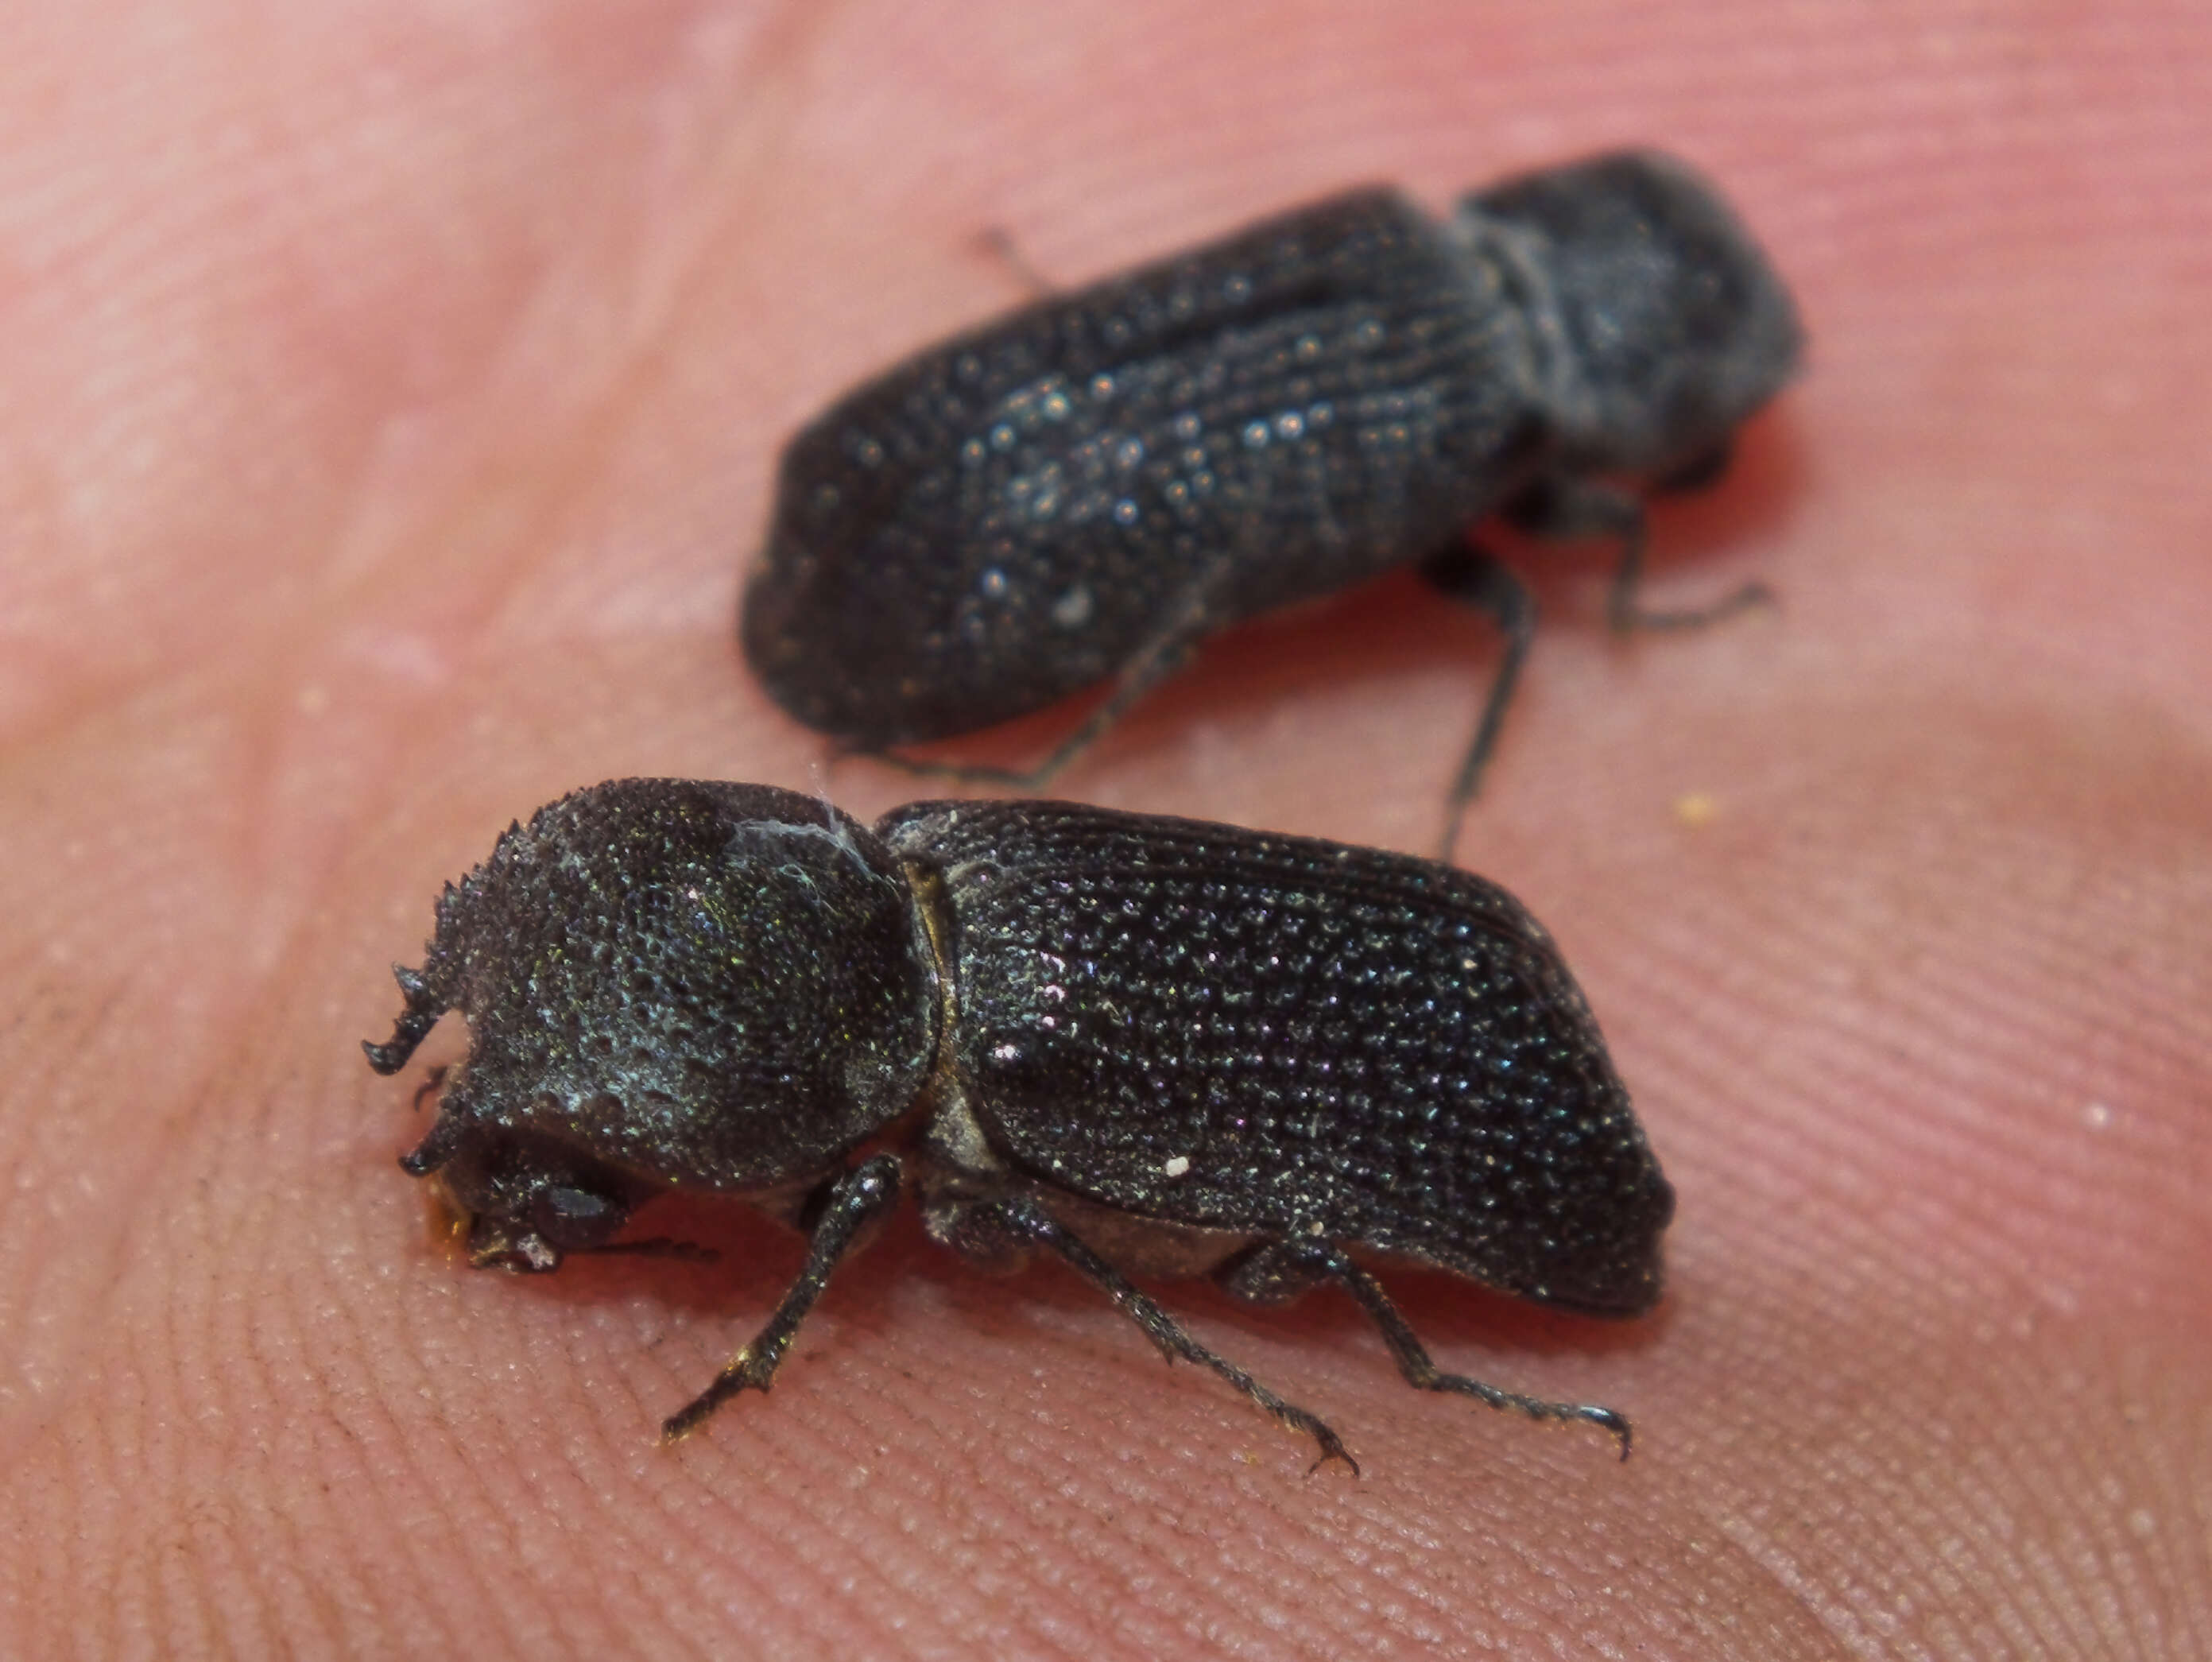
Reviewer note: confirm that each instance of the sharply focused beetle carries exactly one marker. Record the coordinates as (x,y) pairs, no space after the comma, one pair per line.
(1079,491)
(1153,1046)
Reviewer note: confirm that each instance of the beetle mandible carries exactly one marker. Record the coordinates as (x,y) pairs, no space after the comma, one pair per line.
(1151,1046)
(1079,491)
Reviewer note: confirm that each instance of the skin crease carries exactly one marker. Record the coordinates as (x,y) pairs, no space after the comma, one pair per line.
(391,403)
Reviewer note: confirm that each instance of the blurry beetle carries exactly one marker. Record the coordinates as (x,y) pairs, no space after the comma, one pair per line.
(1078,492)
(1152,1046)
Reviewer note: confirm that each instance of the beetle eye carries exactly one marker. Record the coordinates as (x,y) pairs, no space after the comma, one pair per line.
(575,1220)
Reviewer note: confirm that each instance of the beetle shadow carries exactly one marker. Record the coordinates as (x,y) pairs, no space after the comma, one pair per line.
(757,1259)
(1446,1311)
(976,1321)
(1396,624)
(747,1260)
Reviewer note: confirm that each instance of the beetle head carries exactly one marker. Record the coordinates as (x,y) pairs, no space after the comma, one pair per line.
(1667,325)
(667,985)
(526,1201)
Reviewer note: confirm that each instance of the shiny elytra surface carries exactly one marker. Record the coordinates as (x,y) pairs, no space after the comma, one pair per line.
(1007,518)
(1212,1026)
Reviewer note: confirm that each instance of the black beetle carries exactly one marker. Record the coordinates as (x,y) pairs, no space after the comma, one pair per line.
(1154,1046)
(1079,491)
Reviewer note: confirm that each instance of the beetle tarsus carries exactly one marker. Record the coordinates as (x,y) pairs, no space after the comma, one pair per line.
(1414,1363)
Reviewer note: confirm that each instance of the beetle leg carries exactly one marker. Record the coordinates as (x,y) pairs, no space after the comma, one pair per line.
(853,1201)
(428,998)
(1559,508)
(1478,578)
(656,1246)
(1028,1220)
(998,243)
(1324,1257)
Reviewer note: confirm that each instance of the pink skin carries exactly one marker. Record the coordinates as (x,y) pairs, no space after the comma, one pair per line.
(390,402)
